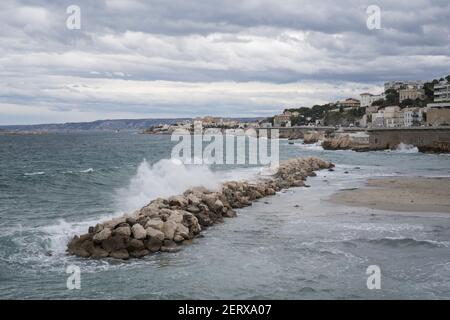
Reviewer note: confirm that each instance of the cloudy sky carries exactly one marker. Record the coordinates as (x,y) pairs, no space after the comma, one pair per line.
(173,58)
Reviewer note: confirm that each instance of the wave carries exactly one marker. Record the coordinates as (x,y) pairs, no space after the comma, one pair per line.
(39,173)
(169,177)
(405,242)
(312,147)
(87,170)
(406,148)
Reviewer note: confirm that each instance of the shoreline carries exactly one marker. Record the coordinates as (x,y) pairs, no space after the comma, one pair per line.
(165,224)
(399,194)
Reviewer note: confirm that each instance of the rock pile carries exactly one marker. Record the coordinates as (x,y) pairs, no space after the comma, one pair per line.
(164,224)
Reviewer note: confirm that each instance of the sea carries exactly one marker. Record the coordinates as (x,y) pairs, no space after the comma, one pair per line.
(294,245)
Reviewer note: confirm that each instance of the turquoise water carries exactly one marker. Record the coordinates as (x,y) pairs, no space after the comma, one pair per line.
(295,245)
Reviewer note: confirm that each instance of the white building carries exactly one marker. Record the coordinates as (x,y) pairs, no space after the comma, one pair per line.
(412,117)
(367,98)
(389,117)
(397,85)
(441,95)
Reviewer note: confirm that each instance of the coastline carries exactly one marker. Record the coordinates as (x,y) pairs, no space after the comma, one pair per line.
(400,194)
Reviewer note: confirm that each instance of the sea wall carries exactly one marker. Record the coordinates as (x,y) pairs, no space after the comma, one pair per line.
(426,139)
(165,224)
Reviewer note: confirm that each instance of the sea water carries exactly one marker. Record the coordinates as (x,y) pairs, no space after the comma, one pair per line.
(294,245)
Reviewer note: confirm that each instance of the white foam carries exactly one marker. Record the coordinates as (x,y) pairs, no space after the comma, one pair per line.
(170,177)
(406,148)
(87,170)
(35,173)
(312,147)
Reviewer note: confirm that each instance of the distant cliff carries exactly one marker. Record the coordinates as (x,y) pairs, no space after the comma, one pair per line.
(99,125)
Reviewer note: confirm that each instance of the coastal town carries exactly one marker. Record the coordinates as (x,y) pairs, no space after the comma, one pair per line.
(409,107)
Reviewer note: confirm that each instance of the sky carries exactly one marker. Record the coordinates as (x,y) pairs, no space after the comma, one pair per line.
(185,58)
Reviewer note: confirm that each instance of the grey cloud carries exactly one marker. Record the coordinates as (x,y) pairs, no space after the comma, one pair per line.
(212,41)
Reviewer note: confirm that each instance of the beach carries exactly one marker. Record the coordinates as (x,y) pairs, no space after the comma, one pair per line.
(404,194)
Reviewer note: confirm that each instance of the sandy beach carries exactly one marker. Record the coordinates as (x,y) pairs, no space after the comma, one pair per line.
(404,194)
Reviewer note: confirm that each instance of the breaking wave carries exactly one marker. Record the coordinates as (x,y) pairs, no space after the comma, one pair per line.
(406,148)
(169,177)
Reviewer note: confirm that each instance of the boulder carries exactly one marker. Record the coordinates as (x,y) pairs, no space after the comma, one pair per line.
(178,201)
(120,254)
(102,235)
(134,244)
(111,224)
(176,216)
(154,233)
(139,253)
(99,252)
(169,246)
(138,232)
(122,231)
(193,209)
(155,224)
(114,243)
(169,228)
(182,231)
(153,244)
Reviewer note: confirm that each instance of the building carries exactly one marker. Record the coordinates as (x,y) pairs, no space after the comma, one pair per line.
(378,119)
(438,117)
(412,117)
(389,117)
(282,120)
(397,85)
(393,117)
(411,93)
(367,98)
(438,112)
(349,103)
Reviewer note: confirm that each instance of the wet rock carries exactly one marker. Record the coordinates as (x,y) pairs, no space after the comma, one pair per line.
(153,244)
(99,252)
(120,254)
(169,246)
(139,253)
(114,243)
(134,244)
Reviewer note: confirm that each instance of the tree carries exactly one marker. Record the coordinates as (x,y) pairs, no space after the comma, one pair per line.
(392,97)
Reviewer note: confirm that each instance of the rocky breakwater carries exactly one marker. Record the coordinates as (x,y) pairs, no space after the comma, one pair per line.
(165,224)
(356,141)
